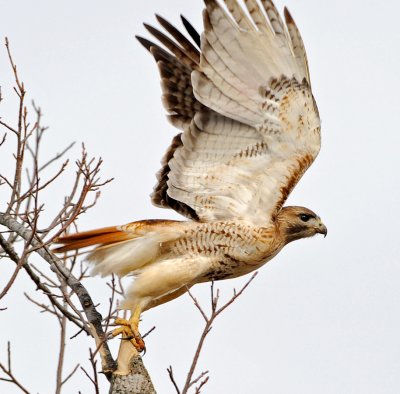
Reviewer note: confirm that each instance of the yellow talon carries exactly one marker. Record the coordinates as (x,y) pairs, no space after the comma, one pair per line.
(122,322)
(130,330)
(117,331)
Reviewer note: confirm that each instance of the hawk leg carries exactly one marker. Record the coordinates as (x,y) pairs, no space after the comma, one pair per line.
(130,329)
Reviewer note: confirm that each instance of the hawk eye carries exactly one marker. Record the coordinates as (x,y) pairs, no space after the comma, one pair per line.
(304,217)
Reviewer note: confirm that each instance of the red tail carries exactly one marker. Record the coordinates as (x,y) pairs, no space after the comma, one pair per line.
(102,236)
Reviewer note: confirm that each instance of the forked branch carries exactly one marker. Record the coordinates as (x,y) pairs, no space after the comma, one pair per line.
(7,370)
(209,319)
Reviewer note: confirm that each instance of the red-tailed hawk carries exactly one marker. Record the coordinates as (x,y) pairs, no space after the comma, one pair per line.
(241,95)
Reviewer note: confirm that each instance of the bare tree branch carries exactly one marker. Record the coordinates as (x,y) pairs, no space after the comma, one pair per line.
(199,387)
(13,256)
(171,377)
(3,139)
(61,353)
(93,379)
(56,157)
(8,372)
(69,376)
(20,261)
(215,311)
(22,218)
(94,318)
(20,132)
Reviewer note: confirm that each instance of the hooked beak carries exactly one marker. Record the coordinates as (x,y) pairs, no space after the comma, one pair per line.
(321,229)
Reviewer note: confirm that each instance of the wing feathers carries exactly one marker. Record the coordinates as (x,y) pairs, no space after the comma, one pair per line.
(211,96)
(258,17)
(276,22)
(297,45)
(184,57)
(249,120)
(187,46)
(216,55)
(160,197)
(191,30)
(238,14)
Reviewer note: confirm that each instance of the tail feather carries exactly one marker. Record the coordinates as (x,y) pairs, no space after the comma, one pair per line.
(124,249)
(103,236)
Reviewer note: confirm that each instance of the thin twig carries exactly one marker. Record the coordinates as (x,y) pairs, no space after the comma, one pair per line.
(56,157)
(16,189)
(194,381)
(149,332)
(196,303)
(199,387)
(61,353)
(8,127)
(207,327)
(111,302)
(94,380)
(11,281)
(69,376)
(7,370)
(3,140)
(236,294)
(43,307)
(172,379)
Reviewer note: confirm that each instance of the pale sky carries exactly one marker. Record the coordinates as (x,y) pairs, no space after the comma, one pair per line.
(322,317)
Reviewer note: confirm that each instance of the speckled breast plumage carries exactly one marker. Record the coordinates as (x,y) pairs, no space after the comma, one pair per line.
(234,248)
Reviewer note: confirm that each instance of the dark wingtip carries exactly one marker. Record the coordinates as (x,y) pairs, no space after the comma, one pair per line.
(161,20)
(288,16)
(155,32)
(191,30)
(147,26)
(146,43)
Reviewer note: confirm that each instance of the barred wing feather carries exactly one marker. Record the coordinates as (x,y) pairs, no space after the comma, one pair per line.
(250,125)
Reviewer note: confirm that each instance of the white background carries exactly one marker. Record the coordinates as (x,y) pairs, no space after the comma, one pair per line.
(323,316)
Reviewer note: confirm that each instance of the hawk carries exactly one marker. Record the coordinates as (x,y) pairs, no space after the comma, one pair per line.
(241,96)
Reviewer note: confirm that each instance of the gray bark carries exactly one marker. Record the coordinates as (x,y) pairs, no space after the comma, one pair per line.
(131,376)
(136,382)
(94,317)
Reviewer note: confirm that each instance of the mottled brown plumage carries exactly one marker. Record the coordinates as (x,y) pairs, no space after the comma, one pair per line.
(249,130)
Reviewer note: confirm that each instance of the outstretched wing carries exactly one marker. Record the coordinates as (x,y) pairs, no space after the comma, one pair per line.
(244,103)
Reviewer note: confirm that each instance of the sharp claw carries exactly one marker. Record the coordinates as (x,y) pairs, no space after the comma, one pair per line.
(141,344)
(127,338)
(130,333)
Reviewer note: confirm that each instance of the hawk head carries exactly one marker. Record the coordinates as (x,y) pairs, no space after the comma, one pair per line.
(299,222)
